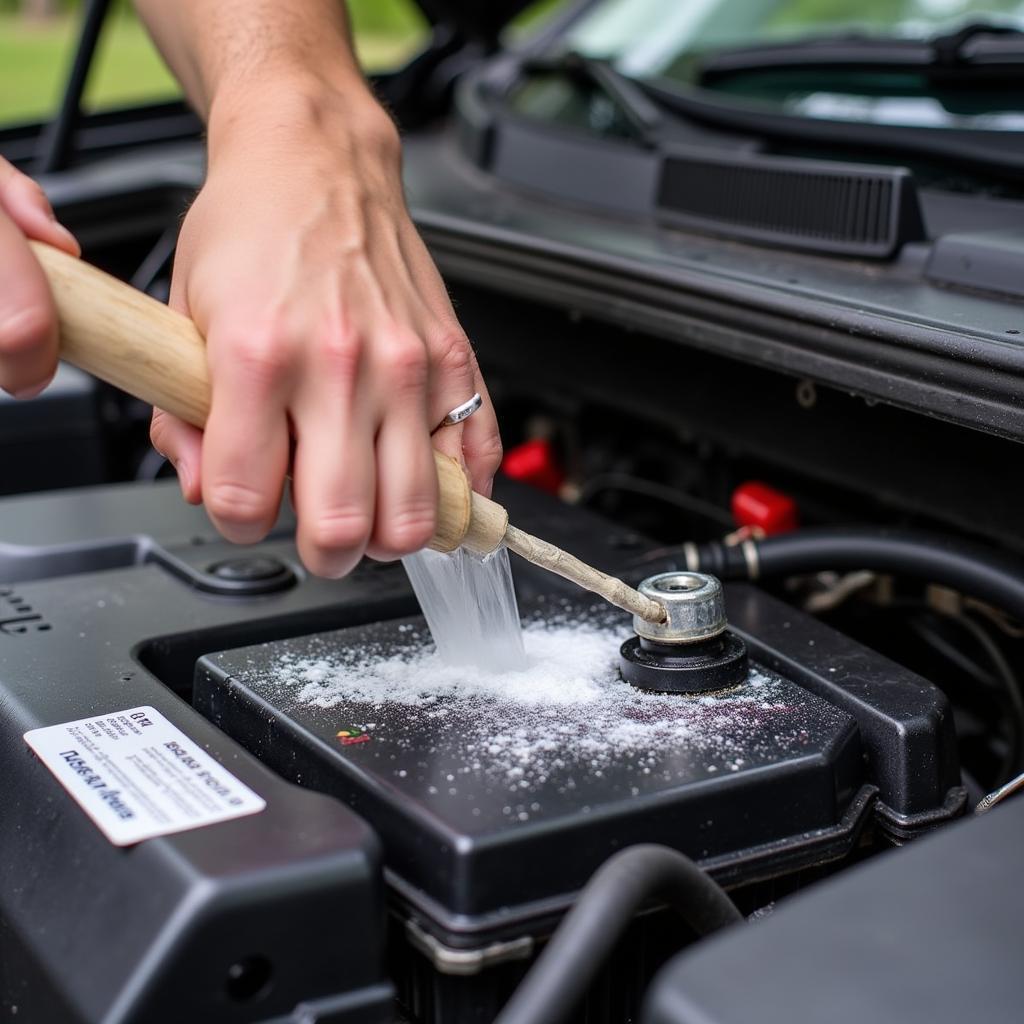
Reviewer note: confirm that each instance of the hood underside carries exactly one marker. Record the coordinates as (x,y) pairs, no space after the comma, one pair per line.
(470,18)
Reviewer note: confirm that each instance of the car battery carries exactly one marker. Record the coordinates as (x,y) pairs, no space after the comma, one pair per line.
(496,799)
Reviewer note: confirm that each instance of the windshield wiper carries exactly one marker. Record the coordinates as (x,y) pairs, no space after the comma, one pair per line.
(643,115)
(653,122)
(978,51)
(657,107)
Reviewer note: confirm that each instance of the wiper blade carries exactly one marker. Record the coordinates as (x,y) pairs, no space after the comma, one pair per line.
(995,152)
(657,108)
(654,122)
(976,51)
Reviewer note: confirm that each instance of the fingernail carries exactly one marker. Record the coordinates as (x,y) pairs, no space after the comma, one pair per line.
(184,478)
(32,392)
(68,237)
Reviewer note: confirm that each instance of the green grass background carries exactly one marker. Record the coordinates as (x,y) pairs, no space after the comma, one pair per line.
(34,56)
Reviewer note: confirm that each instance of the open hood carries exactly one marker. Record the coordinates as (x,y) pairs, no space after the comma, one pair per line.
(481,22)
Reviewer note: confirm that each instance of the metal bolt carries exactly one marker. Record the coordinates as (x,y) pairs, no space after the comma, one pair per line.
(694,605)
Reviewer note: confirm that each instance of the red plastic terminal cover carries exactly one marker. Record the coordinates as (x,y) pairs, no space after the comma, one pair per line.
(534,462)
(757,505)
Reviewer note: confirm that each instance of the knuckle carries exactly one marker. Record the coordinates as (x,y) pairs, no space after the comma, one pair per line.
(26,329)
(488,450)
(454,353)
(408,528)
(263,357)
(33,192)
(233,502)
(342,529)
(407,364)
(381,137)
(341,355)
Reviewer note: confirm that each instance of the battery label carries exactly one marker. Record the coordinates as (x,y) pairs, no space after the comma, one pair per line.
(138,776)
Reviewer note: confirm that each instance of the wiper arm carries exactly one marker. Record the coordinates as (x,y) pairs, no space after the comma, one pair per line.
(643,114)
(975,51)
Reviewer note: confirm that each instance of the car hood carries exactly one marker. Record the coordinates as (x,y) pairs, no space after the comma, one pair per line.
(470,18)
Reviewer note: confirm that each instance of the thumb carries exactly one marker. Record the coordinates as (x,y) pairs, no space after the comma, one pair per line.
(26,204)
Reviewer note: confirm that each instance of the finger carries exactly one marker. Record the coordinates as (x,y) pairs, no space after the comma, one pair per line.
(481,443)
(476,442)
(26,204)
(28,318)
(181,444)
(334,474)
(406,506)
(453,381)
(245,443)
(178,297)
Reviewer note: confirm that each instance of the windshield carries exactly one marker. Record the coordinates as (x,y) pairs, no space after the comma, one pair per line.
(667,40)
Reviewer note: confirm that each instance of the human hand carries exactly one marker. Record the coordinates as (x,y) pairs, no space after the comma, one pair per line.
(326,324)
(28,318)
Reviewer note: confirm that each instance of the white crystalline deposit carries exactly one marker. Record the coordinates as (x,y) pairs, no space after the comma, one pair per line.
(565,713)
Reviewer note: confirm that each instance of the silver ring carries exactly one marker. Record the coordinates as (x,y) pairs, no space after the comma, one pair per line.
(461,412)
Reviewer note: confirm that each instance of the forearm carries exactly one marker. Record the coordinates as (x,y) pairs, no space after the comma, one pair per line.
(229,55)
(332,345)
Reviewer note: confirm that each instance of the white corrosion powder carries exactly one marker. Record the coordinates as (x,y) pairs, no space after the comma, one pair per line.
(565,719)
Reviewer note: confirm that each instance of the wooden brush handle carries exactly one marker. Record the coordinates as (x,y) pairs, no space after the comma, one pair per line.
(117,333)
(124,337)
(139,345)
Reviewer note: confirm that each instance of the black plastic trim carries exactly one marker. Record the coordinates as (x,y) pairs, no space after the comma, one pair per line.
(108,131)
(970,380)
(987,261)
(824,206)
(671,173)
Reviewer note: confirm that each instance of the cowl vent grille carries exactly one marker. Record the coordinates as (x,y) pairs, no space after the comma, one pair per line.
(846,209)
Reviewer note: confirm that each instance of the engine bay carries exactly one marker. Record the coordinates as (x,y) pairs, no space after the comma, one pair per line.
(824,830)
(879,705)
(463,813)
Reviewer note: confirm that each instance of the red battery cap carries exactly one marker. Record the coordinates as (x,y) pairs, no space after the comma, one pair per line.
(534,462)
(757,505)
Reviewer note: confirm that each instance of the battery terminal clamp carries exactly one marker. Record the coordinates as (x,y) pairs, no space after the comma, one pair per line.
(692,650)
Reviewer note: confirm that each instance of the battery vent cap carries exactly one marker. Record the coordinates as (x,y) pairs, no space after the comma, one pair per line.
(534,462)
(761,507)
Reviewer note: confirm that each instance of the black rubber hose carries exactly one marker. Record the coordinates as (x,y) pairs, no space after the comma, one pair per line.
(611,899)
(981,572)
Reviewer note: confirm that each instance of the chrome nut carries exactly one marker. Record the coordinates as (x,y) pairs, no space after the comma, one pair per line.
(694,604)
